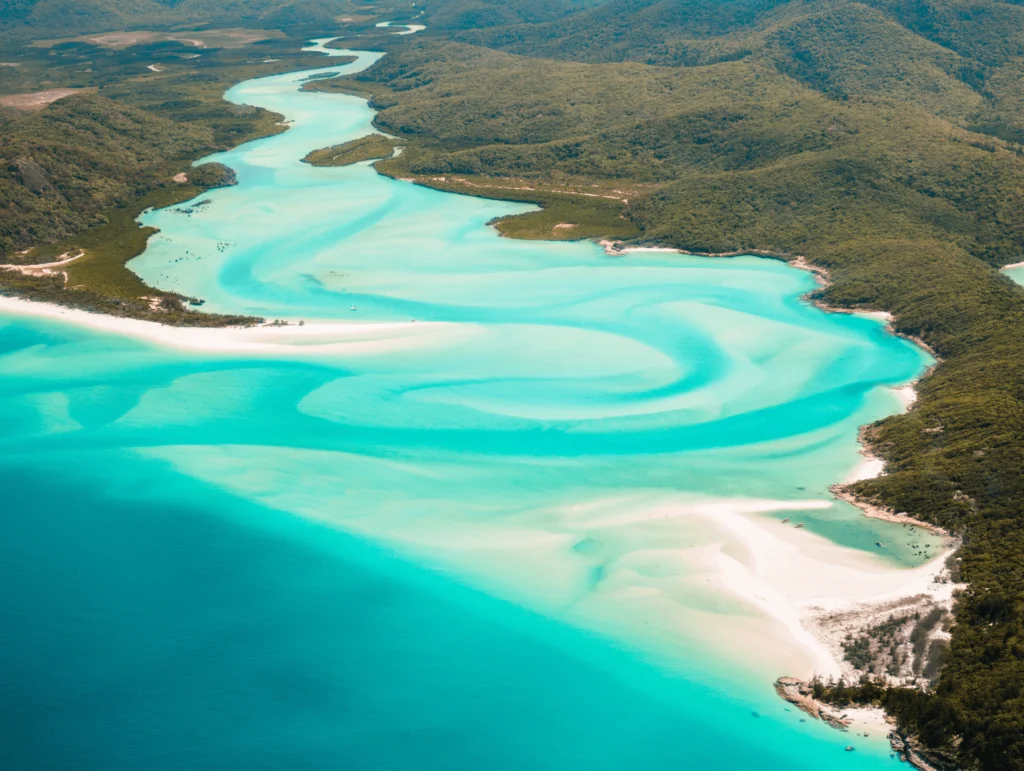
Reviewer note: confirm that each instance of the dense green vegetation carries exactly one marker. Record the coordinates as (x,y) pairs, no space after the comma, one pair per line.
(480,14)
(66,166)
(951,56)
(564,215)
(53,18)
(844,132)
(62,167)
(368,148)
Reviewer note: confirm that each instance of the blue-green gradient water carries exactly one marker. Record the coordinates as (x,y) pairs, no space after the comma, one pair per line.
(500,537)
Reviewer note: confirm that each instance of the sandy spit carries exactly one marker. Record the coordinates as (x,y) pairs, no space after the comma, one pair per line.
(321,337)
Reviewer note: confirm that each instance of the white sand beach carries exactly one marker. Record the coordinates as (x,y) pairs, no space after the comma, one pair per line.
(907,395)
(350,338)
(794,576)
(869,468)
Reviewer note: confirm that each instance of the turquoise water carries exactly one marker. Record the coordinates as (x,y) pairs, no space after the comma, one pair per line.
(486,539)
(1017,274)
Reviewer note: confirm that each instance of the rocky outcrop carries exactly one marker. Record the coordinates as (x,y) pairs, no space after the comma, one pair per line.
(34,177)
(910,750)
(801,695)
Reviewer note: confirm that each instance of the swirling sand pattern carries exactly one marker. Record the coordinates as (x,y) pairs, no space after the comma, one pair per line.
(593,438)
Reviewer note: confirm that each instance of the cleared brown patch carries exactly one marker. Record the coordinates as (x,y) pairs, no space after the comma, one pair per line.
(565,226)
(235,37)
(39,99)
(353,18)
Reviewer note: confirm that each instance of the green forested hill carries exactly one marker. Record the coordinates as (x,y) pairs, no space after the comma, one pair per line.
(946,55)
(528,116)
(855,50)
(44,16)
(266,12)
(986,30)
(62,167)
(651,31)
(480,14)
(57,18)
(828,169)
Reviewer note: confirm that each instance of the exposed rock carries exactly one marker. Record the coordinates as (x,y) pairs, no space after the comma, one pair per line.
(33,176)
(801,695)
(910,750)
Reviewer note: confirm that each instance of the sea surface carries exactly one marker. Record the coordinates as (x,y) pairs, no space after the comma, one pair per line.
(482,531)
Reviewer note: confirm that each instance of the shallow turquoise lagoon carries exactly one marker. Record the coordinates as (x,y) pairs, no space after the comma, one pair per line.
(1017,274)
(492,538)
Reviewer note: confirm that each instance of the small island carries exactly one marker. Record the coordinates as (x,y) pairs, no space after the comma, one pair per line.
(372,147)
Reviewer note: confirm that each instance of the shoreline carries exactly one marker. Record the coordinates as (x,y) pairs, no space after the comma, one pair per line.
(829,623)
(850,583)
(296,339)
(858,720)
(616,249)
(932,585)
(872,511)
(873,466)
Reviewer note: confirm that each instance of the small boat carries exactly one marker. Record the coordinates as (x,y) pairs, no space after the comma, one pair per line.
(849,748)
(799,524)
(785,520)
(879,544)
(353,308)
